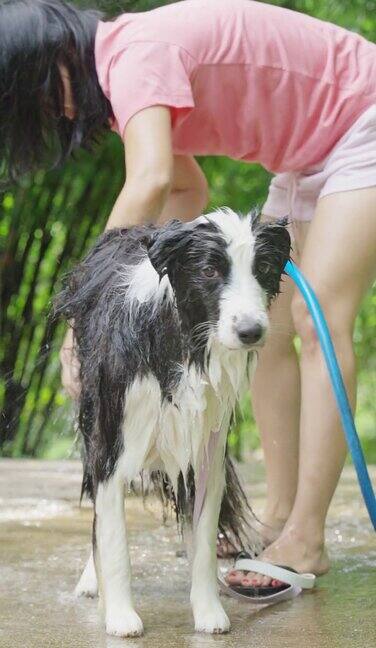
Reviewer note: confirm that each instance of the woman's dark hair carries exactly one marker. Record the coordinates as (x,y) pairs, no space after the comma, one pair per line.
(35,37)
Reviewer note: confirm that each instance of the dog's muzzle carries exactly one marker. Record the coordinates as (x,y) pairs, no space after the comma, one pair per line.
(250,332)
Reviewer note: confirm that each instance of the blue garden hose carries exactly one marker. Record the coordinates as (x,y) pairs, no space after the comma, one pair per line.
(338,388)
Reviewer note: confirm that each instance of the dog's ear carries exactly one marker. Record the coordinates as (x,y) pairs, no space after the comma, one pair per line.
(274,238)
(272,251)
(167,244)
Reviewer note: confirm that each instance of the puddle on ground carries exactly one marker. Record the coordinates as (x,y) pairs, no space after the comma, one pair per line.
(44,542)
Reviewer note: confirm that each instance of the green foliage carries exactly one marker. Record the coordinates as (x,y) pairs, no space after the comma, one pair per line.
(48,223)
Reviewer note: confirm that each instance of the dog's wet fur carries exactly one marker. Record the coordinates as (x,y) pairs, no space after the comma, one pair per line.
(167,322)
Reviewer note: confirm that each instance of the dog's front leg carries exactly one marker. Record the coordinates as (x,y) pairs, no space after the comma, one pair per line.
(208,612)
(112,560)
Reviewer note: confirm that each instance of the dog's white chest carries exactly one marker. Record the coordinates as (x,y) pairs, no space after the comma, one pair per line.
(171,434)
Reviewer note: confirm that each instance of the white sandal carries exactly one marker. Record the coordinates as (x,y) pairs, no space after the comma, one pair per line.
(293,583)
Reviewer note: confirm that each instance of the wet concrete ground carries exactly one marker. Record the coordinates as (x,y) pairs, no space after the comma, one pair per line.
(44,542)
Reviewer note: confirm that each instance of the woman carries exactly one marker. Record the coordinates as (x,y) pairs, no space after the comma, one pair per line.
(257,83)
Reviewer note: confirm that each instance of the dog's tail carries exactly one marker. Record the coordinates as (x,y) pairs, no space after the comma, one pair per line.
(236,515)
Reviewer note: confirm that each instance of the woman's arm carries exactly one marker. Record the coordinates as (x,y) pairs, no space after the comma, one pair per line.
(189,194)
(158,186)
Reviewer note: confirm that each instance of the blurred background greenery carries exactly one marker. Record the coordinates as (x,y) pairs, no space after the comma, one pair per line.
(51,220)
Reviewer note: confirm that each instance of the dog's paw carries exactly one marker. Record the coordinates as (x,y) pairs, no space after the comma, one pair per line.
(126,624)
(212,619)
(86,587)
(88,584)
(86,590)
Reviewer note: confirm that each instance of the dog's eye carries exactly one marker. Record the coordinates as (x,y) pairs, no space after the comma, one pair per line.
(210,272)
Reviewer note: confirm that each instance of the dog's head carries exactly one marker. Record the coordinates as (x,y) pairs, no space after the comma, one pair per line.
(224,270)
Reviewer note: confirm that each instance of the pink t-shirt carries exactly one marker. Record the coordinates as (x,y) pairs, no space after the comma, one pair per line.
(243,79)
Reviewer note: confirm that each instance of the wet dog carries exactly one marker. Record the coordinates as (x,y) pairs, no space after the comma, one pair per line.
(167,323)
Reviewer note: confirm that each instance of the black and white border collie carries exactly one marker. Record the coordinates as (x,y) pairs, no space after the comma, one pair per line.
(167,322)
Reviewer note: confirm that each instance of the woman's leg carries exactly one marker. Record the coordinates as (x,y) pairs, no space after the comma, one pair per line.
(277,382)
(278,379)
(340,262)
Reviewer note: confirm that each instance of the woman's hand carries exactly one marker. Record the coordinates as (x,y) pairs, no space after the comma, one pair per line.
(70,367)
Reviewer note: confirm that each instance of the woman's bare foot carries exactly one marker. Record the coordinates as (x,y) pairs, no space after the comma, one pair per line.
(293,549)
(268,530)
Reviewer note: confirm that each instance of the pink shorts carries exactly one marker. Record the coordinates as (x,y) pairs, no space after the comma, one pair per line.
(350,165)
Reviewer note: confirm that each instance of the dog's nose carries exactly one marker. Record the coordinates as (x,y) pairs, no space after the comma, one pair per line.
(249,332)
